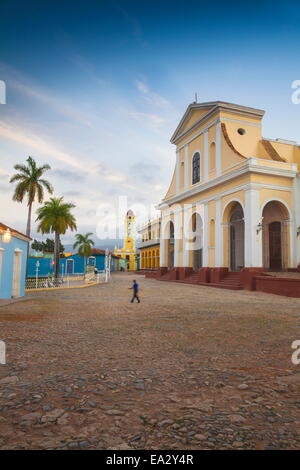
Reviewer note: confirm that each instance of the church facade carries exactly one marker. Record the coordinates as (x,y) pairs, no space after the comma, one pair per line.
(234,199)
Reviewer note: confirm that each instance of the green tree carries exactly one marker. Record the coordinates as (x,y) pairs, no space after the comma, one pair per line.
(48,246)
(55,216)
(31,184)
(37,246)
(84,245)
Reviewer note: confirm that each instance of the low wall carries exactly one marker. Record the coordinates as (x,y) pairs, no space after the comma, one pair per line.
(278,285)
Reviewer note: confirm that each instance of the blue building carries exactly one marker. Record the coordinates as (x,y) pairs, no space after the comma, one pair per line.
(13,254)
(73,264)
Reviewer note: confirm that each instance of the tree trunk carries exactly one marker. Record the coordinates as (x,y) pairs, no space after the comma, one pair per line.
(29,219)
(28,234)
(56,255)
(84,265)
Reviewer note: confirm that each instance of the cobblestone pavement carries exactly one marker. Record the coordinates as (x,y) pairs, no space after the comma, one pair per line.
(190,367)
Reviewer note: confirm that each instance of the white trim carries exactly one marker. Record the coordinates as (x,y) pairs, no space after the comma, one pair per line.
(205,258)
(186,167)
(177,172)
(253,240)
(218,235)
(275,199)
(247,167)
(200,170)
(70,259)
(296,207)
(1,263)
(208,126)
(213,108)
(206,157)
(234,199)
(218,150)
(290,223)
(240,121)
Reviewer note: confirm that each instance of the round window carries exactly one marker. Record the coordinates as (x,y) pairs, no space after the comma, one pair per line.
(241,131)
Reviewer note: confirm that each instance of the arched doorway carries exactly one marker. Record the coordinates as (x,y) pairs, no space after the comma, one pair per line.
(197,228)
(275,236)
(171,246)
(237,237)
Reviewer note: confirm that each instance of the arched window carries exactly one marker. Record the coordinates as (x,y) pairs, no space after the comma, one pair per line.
(196,168)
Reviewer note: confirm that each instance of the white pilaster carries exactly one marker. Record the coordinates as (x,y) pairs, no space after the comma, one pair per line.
(162,248)
(177,172)
(218,150)
(205,236)
(253,240)
(186,167)
(218,235)
(206,157)
(295,240)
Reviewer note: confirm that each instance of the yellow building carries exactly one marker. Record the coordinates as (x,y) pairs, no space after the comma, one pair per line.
(234,199)
(149,245)
(128,252)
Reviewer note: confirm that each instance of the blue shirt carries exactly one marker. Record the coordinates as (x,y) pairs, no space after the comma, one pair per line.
(135,287)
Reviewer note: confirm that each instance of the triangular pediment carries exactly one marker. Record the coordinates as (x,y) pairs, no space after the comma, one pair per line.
(197,115)
(194,114)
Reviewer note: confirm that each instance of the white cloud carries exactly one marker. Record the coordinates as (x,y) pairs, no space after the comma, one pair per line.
(150,96)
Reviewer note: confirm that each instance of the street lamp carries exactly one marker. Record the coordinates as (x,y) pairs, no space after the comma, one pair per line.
(6,236)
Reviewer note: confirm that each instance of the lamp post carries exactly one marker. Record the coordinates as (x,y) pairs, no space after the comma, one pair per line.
(37,265)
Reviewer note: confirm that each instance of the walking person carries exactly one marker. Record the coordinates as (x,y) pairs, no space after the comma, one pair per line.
(135,288)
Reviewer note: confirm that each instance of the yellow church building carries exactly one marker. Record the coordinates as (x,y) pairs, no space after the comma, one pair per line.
(234,200)
(128,252)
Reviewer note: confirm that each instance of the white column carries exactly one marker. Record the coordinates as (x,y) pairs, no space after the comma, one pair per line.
(218,235)
(176,252)
(218,150)
(177,172)
(206,157)
(253,240)
(187,223)
(205,236)
(186,167)
(1,256)
(295,241)
(162,247)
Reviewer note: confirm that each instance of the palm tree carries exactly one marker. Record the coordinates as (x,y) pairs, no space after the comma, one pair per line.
(55,216)
(30,182)
(84,245)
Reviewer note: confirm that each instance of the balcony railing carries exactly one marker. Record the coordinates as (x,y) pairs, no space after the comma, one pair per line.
(148,243)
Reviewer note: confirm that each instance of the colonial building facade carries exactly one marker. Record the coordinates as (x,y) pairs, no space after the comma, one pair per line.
(149,245)
(233,192)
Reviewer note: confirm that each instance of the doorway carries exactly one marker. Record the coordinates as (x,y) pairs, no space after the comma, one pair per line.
(237,238)
(275,245)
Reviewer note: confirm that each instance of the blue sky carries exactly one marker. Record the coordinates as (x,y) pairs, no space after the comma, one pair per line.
(96,88)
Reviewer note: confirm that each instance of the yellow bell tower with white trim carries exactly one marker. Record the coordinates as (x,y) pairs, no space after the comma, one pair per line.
(128,251)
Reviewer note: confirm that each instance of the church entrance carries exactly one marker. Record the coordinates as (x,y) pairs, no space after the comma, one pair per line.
(275,245)
(275,236)
(237,238)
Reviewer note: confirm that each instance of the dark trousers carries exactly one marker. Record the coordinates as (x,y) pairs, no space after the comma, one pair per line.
(135,296)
